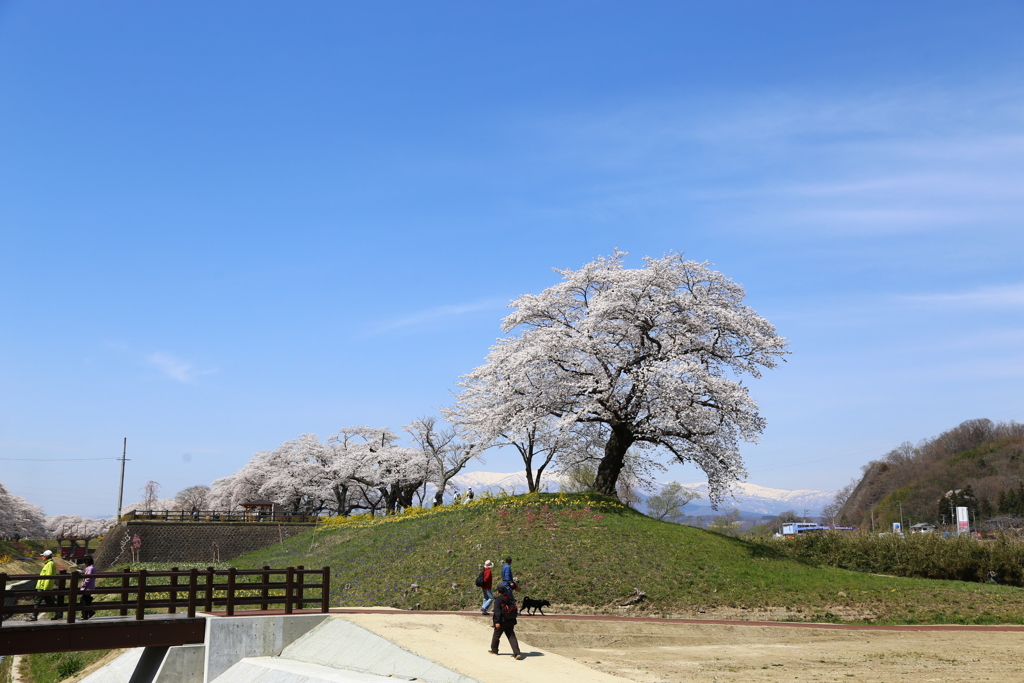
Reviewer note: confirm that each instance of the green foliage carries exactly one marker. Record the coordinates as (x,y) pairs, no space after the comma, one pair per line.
(667,505)
(585,551)
(930,556)
(53,667)
(5,669)
(959,498)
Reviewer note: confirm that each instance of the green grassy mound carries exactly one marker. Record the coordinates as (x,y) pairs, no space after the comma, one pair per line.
(584,552)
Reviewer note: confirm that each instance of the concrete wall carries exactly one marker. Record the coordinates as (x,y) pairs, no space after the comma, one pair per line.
(229,640)
(190,541)
(183,664)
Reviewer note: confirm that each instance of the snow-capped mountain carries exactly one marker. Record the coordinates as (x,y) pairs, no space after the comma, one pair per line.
(749,498)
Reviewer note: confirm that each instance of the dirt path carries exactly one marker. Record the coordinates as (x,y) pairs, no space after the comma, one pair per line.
(650,650)
(460,643)
(694,652)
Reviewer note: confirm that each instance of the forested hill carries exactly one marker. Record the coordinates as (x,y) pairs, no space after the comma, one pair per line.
(978,464)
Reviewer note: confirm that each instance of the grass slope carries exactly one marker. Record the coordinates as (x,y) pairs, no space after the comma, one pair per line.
(585,552)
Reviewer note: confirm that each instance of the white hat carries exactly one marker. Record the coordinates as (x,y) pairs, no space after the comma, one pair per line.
(488,564)
(47,553)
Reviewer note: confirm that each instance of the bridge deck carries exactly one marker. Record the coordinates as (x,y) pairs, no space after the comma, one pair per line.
(100,633)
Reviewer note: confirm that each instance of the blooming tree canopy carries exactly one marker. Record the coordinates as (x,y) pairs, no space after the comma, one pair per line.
(356,468)
(19,518)
(653,354)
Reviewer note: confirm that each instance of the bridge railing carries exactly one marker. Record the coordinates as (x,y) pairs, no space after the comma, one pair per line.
(169,592)
(217,516)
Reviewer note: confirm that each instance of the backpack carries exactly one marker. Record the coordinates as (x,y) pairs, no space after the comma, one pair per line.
(509,608)
(480,580)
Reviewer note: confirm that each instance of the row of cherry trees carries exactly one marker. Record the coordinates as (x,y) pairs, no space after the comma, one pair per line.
(356,469)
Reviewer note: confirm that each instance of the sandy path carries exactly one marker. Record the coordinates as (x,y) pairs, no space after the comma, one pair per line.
(461,642)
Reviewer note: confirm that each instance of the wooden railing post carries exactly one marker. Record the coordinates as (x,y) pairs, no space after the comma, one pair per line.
(265,593)
(172,592)
(72,596)
(231,592)
(300,585)
(3,594)
(140,598)
(58,594)
(209,589)
(325,590)
(288,582)
(126,582)
(193,588)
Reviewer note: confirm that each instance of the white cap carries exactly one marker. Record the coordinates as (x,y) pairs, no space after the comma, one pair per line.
(47,553)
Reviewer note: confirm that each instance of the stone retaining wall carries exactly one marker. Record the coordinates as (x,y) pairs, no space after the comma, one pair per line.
(189,541)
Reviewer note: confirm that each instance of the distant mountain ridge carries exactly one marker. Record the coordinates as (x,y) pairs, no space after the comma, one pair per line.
(748,498)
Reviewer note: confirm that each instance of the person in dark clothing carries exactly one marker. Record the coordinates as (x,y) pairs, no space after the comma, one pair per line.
(87,587)
(505,614)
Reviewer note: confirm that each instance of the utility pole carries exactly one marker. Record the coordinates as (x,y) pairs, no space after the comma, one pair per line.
(901,516)
(120,489)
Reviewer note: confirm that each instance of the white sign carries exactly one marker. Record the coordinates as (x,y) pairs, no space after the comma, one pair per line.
(897,527)
(963,524)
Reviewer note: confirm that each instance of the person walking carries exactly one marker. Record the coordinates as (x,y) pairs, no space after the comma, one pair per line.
(507,579)
(505,617)
(87,587)
(45,586)
(486,586)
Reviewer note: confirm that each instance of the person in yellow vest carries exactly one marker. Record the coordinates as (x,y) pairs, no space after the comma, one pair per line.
(45,585)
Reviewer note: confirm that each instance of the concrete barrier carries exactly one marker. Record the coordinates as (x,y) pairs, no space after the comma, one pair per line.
(340,644)
(231,639)
(182,664)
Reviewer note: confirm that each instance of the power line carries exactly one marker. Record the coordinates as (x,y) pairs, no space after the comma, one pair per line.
(55,459)
(808,462)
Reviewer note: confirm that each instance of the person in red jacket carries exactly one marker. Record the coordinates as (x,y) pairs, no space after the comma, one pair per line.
(505,614)
(488,595)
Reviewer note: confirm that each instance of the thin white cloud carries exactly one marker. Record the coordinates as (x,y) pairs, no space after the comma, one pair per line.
(430,316)
(902,161)
(1004,296)
(175,368)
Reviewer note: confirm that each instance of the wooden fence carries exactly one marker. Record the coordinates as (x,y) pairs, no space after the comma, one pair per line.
(217,516)
(169,592)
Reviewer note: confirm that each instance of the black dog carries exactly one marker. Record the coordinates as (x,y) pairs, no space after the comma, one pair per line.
(529,603)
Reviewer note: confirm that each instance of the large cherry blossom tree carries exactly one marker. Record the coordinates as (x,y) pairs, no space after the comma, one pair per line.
(654,354)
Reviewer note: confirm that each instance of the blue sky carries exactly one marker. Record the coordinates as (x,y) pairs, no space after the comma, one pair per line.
(225,224)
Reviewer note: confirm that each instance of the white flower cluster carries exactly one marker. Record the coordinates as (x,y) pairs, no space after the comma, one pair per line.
(19,518)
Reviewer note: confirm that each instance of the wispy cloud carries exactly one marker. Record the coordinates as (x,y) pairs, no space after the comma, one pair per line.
(175,368)
(902,161)
(1004,296)
(432,316)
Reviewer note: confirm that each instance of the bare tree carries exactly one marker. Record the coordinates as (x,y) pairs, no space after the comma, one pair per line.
(667,505)
(445,450)
(150,494)
(193,498)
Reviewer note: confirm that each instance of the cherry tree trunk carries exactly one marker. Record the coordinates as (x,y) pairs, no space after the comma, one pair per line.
(614,458)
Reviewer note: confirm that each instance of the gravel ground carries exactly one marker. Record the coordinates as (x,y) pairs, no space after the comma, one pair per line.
(696,652)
